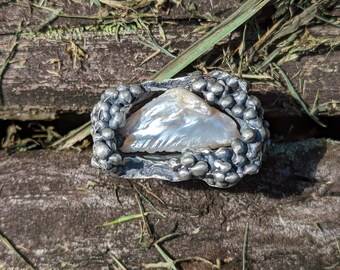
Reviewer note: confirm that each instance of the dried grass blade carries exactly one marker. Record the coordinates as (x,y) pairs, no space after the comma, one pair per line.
(73,137)
(300,20)
(11,247)
(204,44)
(120,265)
(297,96)
(5,63)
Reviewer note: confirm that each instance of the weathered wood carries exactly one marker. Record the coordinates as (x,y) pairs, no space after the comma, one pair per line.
(34,88)
(32,18)
(30,82)
(42,80)
(291,207)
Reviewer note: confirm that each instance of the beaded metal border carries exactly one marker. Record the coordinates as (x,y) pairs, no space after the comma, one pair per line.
(222,168)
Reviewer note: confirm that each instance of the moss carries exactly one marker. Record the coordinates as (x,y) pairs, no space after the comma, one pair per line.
(78,33)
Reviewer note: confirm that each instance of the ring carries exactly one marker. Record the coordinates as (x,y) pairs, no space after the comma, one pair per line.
(194,127)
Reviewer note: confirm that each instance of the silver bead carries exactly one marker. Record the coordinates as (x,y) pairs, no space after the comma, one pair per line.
(223,84)
(112,145)
(210,182)
(249,113)
(223,166)
(243,85)
(104,107)
(188,160)
(258,160)
(114,109)
(251,155)
(200,168)
(105,165)
(226,102)
(253,101)
(232,82)
(136,90)
(224,153)
(199,85)
(262,133)
(125,96)
(101,150)
(184,174)
(237,111)
(209,96)
(218,176)
(122,87)
(104,116)
(215,73)
(108,134)
(113,124)
(255,147)
(250,169)
(217,88)
(232,178)
(117,120)
(94,116)
(111,94)
(266,123)
(239,160)
(100,125)
(224,76)
(240,97)
(97,137)
(222,184)
(248,135)
(256,123)
(116,159)
(238,146)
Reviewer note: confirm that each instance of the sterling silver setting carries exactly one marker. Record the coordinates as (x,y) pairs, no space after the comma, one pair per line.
(222,167)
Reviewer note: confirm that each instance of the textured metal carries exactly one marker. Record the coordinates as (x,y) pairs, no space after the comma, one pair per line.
(222,167)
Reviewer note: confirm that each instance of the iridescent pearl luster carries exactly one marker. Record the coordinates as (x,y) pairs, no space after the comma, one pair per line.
(176,120)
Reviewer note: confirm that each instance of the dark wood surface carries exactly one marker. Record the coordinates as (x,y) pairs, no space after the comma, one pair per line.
(292,208)
(50,210)
(42,82)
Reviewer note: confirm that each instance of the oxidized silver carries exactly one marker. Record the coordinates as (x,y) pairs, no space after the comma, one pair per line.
(222,167)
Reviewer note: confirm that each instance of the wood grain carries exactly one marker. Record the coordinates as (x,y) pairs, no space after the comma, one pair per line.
(291,207)
(42,80)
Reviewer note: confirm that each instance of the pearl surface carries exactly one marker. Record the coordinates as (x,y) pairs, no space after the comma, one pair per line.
(176,120)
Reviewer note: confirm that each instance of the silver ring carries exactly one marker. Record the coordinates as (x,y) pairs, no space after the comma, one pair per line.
(222,167)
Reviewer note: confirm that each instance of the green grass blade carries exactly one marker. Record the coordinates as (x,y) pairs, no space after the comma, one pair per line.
(124,219)
(204,44)
(170,262)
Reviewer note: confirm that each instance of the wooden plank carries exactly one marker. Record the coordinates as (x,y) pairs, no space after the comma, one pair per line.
(42,81)
(32,81)
(291,206)
(35,87)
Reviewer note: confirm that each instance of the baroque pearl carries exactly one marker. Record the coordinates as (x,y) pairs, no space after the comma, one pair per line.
(176,120)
